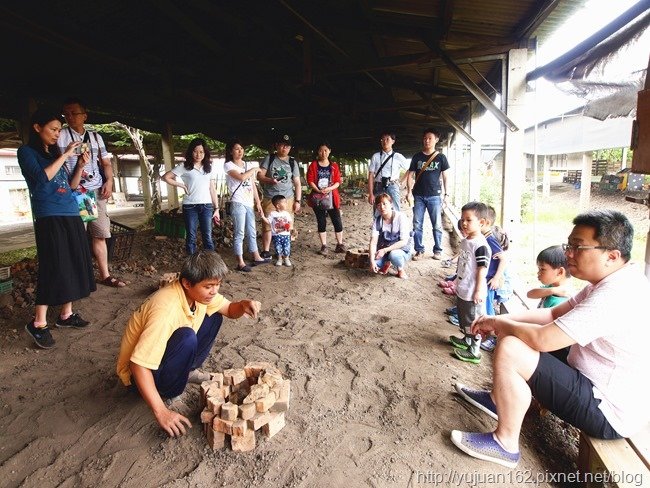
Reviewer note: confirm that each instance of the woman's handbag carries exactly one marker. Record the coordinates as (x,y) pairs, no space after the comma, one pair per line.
(87,203)
(321,201)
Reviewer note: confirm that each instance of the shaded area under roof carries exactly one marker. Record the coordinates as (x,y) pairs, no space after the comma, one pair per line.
(341,70)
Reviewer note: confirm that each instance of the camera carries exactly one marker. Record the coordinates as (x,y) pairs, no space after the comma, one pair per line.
(82,148)
(385,181)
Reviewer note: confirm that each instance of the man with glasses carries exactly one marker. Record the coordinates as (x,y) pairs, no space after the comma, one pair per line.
(97,176)
(597,389)
(384,171)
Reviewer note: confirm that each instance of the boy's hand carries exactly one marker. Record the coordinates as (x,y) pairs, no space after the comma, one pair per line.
(172,422)
(479,294)
(251,308)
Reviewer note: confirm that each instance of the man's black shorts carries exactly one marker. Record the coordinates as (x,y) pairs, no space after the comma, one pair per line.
(569,394)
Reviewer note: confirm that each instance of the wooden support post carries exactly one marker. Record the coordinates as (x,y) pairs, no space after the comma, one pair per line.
(474,158)
(514,167)
(118,181)
(23,125)
(168,158)
(585,181)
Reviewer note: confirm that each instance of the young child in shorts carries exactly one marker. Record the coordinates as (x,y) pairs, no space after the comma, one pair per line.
(471,283)
(280,221)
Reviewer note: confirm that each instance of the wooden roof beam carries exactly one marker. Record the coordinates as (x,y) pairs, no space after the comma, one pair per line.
(526,29)
(474,89)
(448,118)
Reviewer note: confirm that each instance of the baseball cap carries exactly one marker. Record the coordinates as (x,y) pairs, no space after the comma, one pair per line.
(284,139)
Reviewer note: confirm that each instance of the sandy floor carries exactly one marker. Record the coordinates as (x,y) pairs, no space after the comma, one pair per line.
(372,381)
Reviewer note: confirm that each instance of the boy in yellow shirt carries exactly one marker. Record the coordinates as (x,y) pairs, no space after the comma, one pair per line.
(171,335)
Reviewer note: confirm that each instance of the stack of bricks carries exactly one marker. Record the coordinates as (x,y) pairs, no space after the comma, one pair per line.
(239,402)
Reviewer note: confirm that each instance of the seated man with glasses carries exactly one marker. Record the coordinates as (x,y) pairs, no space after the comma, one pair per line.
(597,390)
(170,336)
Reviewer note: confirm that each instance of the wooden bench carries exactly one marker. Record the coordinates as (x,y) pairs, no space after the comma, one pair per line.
(627,460)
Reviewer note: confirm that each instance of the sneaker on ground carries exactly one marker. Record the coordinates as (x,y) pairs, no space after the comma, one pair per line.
(41,335)
(489,344)
(453,320)
(278,262)
(287,261)
(418,255)
(197,377)
(265,255)
(485,447)
(467,355)
(74,320)
(452,310)
(323,250)
(481,399)
(459,342)
(340,248)
(437,255)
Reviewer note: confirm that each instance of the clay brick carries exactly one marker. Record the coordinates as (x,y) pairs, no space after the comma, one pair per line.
(275,424)
(247,411)
(243,443)
(228,376)
(263,404)
(282,402)
(216,439)
(271,378)
(235,397)
(254,368)
(229,411)
(238,376)
(258,420)
(207,416)
(222,425)
(214,404)
(257,392)
(218,377)
(239,427)
(225,391)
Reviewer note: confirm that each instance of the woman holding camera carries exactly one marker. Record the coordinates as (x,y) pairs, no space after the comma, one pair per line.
(200,203)
(324,178)
(391,241)
(65,271)
(240,178)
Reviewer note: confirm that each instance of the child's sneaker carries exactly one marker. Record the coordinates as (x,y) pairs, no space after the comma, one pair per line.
(74,320)
(467,355)
(452,310)
(287,261)
(460,342)
(453,320)
(41,335)
(489,344)
(278,262)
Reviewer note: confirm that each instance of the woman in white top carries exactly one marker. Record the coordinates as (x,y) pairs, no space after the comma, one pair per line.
(200,203)
(240,178)
(391,241)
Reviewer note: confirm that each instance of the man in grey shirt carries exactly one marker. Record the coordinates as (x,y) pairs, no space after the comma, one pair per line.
(279,175)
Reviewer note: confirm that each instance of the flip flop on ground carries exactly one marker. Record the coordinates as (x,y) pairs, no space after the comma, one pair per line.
(112,281)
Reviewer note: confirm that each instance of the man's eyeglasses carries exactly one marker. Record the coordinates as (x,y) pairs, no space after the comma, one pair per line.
(573,248)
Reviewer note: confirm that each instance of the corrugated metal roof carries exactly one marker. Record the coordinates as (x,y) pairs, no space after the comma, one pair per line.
(341,70)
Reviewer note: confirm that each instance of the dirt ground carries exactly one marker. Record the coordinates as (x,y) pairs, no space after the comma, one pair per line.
(372,385)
